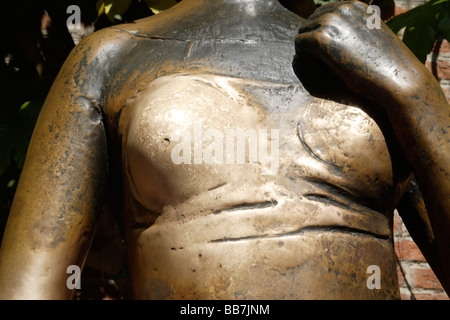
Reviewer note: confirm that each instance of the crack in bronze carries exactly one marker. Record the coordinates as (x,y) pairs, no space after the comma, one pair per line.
(336,169)
(350,196)
(249,206)
(339,229)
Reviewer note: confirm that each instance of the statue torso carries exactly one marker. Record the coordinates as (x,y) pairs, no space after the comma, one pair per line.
(303,216)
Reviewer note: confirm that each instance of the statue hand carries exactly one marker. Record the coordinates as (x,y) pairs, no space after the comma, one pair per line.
(339,42)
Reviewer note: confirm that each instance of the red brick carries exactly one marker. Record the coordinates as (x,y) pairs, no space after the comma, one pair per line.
(401,278)
(431,296)
(407,250)
(425,278)
(399,10)
(398,225)
(443,69)
(447,94)
(444,48)
(405,296)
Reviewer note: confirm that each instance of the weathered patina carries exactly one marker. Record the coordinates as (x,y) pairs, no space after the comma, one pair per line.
(352,118)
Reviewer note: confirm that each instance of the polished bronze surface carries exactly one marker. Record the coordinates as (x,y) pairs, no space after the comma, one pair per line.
(347,123)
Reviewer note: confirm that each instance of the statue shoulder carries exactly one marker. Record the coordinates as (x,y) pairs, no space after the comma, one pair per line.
(100,48)
(89,63)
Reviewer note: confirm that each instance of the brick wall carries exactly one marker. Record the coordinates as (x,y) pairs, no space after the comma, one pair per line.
(417,280)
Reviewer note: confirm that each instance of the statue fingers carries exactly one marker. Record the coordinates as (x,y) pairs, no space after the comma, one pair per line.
(316,36)
(339,6)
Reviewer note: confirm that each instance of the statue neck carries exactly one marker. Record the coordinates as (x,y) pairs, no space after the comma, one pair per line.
(238,2)
(258,20)
(251,6)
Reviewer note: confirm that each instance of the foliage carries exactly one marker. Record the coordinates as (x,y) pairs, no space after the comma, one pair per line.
(26,71)
(114,9)
(22,99)
(423,26)
(158,6)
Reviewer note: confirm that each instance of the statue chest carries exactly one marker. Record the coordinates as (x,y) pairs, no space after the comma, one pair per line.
(187,134)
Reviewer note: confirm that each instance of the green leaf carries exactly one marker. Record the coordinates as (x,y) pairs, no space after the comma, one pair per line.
(15,133)
(443,23)
(423,26)
(11,183)
(158,6)
(25,105)
(113,9)
(420,37)
(409,18)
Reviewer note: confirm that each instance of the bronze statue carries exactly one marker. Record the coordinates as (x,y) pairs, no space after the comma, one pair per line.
(345,126)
